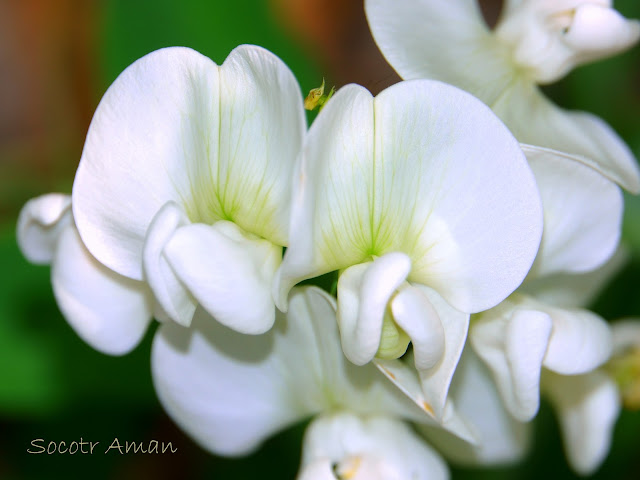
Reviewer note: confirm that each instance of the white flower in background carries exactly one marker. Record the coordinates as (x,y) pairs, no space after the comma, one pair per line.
(529,338)
(588,405)
(535,42)
(343,446)
(185,180)
(108,311)
(231,391)
(425,202)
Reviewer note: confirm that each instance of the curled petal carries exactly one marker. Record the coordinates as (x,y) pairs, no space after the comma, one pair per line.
(438,333)
(174,298)
(512,342)
(227,272)
(40,224)
(364,292)
(581,341)
(588,407)
(414,313)
(521,336)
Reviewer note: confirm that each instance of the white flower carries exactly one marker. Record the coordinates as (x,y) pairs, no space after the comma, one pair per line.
(185,176)
(531,343)
(588,405)
(345,446)
(425,202)
(231,391)
(108,311)
(535,42)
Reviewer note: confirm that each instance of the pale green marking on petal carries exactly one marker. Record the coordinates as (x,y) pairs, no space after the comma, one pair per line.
(393,340)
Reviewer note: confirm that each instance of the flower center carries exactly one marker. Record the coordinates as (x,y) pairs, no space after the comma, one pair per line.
(550,37)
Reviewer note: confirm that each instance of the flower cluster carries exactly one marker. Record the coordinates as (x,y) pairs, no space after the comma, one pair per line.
(451,221)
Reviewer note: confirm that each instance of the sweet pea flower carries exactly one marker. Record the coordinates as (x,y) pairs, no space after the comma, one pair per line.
(345,446)
(540,339)
(588,405)
(108,311)
(184,181)
(230,392)
(535,42)
(423,200)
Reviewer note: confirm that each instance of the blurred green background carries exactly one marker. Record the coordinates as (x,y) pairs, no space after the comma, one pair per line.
(56,60)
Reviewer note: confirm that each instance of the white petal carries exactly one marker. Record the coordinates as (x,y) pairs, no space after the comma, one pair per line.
(40,224)
(580,342)
(442,341)
(575,290)
(587,407)
(174,298)
(231,391)
(108,311)
(414,313)
(512,341)
(227,272)
(499,438)
(535,120)
(368,449)
(393,181)
(582,217)
(364,292)
(520,336)
(405,378)
(218,141)
(420,38)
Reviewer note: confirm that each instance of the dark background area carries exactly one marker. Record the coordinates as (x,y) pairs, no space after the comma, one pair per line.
(56,60)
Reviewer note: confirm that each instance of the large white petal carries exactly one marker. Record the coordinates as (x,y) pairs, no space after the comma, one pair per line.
(218,141)
(108,311)
(588,407)
(445,40)
(500,439)
(230,391)
(40,223)
(535,120)
(391,174)
(582,214)
(377,448)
